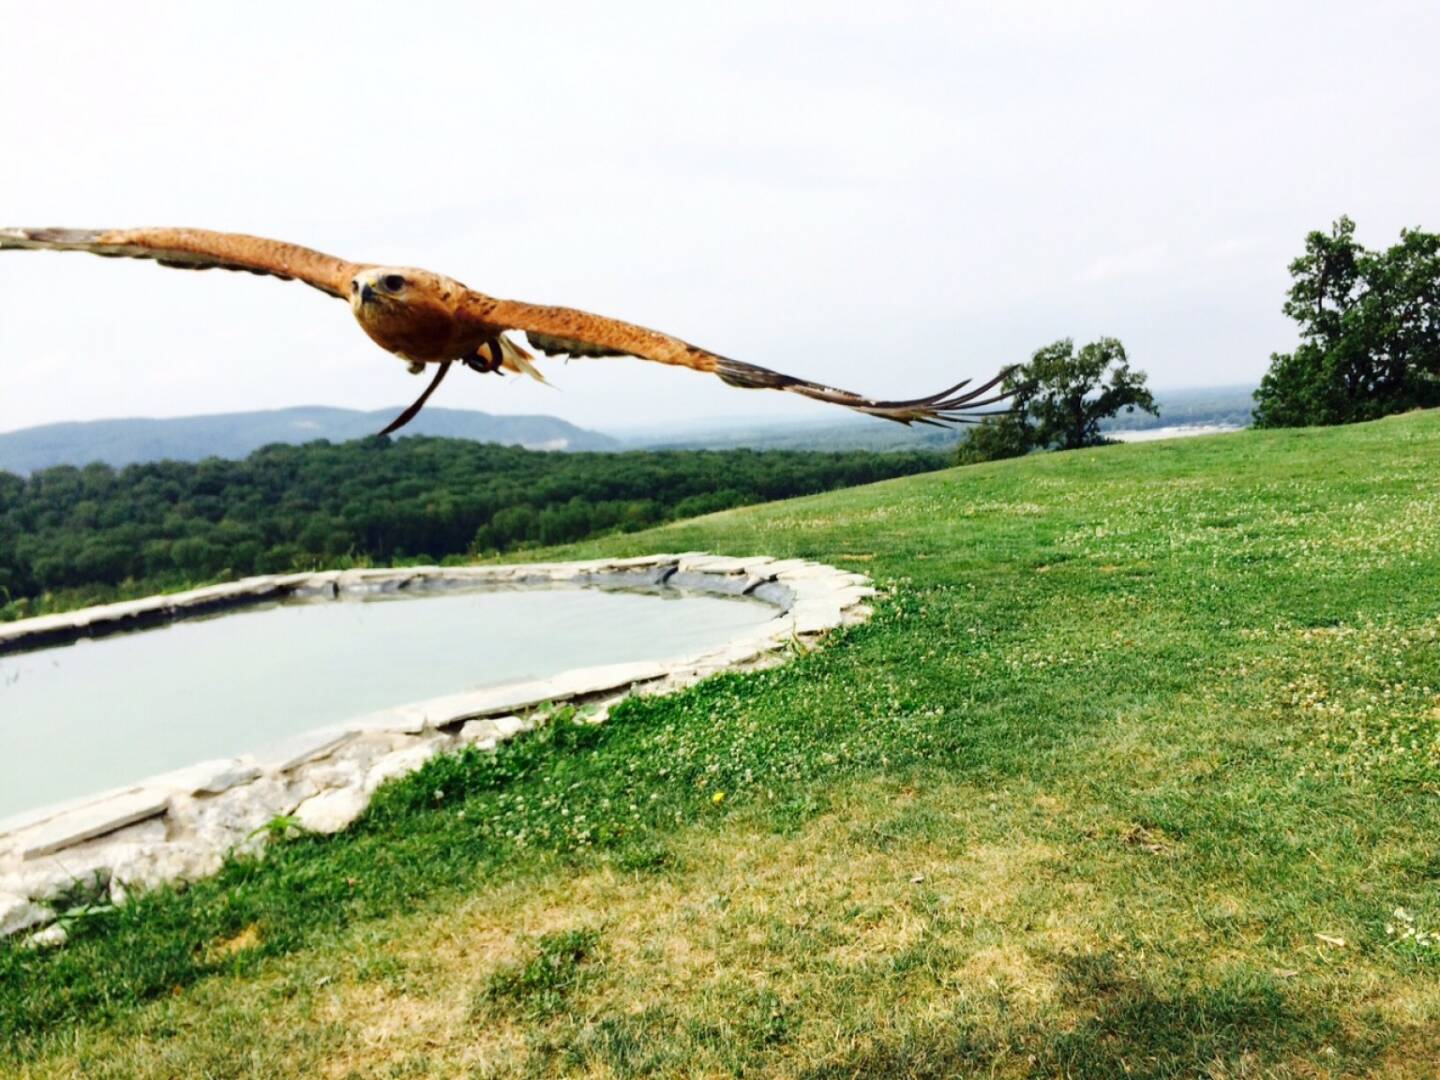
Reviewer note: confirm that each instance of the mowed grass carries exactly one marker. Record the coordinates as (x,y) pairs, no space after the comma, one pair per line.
(1134,773)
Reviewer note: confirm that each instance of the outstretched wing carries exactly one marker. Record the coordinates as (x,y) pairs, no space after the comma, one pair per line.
(557,331)
(197,249)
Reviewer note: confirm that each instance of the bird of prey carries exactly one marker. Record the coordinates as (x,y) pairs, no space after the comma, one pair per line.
(426,318)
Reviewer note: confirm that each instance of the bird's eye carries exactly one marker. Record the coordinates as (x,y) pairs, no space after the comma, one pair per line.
(393,282)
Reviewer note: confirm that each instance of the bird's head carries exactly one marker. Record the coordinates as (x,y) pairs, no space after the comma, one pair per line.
(383,286)
(406,310)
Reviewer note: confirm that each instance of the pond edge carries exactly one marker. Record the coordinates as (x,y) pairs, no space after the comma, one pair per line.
(179,826)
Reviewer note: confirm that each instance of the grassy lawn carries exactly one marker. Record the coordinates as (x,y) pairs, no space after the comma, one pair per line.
(1128,776)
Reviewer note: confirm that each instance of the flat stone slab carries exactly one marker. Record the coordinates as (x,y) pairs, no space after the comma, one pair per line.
(92,820)
(642,560)
(724,564)
(286,754)
(16,823)
(582,682)
(444,712)
(402,720)
(730,584)
(206,778)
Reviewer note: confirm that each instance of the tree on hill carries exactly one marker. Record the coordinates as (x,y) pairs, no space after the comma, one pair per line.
(1059,399)
(1369,332)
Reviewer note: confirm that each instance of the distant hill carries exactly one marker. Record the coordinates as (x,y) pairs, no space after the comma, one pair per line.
(234,435)
(859,433)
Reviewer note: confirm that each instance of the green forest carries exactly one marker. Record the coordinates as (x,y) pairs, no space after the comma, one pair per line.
(84,532)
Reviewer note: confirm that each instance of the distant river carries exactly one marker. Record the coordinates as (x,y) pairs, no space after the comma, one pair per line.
(1176,431)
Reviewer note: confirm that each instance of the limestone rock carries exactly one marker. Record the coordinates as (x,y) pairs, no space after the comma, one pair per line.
(227,820)
(20,913)
(48,938)
(332,810)
(400,763)
(476,731)
(334,774)
(152,865)
(507,727)
(90,866)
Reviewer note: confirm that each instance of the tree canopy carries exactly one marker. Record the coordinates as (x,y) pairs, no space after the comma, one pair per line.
(1059,399)
(1369,332)
(303,507)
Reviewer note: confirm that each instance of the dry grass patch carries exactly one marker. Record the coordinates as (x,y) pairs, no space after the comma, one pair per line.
(880,918)
(757,940)
(247,938)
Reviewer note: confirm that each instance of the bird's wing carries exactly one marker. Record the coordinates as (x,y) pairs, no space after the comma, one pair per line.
(558,331)
(197,249)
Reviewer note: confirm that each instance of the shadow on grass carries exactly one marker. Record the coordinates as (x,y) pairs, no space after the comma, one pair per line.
(1134,1028)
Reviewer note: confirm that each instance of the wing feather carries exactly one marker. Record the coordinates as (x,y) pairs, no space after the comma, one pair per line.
(197,249)
(567,331)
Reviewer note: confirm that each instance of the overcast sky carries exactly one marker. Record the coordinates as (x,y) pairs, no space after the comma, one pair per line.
(885,196)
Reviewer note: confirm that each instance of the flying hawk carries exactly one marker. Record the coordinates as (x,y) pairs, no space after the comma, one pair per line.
(427,318)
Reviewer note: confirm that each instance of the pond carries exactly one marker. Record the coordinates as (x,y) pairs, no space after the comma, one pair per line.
(97,714)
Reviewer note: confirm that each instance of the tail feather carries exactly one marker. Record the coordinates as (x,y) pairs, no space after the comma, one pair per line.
(514,358)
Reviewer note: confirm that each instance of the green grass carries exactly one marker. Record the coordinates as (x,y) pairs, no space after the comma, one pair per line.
(544,983)
(1137,737)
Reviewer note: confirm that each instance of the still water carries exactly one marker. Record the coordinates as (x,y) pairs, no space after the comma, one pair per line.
(100,713)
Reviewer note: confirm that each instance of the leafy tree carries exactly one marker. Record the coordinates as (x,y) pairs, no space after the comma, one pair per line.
(1003,436)
(1065,395)
(1059,399)
(1369,332)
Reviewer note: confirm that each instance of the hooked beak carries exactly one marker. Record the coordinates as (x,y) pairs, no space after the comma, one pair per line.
(362,291)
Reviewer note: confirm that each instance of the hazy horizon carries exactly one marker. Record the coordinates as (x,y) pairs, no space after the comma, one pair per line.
(881,199)
(639,428)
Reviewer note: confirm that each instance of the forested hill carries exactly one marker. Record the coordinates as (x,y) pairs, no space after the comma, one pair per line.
(233,435)
(83,531)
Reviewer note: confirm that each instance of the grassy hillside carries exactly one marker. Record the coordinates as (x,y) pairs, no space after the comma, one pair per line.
(1135,773)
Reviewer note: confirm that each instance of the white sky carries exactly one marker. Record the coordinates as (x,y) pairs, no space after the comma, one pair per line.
(881,196)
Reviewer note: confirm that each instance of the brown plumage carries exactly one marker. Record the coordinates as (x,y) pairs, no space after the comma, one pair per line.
(427,318)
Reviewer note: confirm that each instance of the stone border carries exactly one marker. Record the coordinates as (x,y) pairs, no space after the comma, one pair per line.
(180,826)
